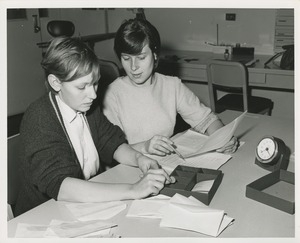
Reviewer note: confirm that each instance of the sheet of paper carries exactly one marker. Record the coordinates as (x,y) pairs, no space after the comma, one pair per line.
(188,214)
(211,160)
(189,142)
(203,186)
(97,234)
(48,231)
(30,230)
(227,221)
(192,143)
(90,211)
(147,208)
(76,228)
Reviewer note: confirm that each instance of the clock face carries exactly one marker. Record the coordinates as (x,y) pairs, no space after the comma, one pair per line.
(266,150)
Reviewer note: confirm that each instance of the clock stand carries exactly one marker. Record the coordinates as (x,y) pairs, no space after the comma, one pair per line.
(281,163)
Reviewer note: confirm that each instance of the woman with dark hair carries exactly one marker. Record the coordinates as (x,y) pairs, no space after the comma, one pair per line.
(145,103)
(66,140)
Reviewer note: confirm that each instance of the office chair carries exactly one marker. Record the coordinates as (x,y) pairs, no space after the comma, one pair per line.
(109,71)
(13,178)
(60,28)
(232,78)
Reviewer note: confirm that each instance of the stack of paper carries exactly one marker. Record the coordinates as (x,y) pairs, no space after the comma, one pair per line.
(182,213)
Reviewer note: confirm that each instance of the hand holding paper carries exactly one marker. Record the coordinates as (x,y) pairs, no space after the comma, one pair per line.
(193,143)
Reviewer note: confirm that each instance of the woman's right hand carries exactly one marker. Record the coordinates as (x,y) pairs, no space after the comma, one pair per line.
(151,183)
(159,145)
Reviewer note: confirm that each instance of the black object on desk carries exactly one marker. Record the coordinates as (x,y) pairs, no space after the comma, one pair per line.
(242,54)
(281,196)
(272,154)
(191,59)
(287,58)
(187,177)
(243,51)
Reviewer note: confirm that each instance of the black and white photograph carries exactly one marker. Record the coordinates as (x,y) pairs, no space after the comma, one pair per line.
(139,121)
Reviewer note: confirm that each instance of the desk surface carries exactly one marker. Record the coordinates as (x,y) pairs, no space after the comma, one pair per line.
(196,58)
(252,219)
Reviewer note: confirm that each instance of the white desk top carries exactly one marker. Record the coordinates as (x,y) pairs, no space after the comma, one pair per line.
(252,219)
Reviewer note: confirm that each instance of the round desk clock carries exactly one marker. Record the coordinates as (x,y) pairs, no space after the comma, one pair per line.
(272,154)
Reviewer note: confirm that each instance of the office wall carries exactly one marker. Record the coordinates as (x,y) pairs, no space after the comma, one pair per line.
(191,28)
(25,79)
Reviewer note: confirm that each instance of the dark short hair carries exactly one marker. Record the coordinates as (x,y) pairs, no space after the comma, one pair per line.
(133,35)
(69,59)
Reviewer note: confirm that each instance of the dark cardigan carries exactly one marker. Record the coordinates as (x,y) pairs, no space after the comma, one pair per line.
(47,157)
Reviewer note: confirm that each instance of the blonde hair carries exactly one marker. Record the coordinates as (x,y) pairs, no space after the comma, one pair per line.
(69,59)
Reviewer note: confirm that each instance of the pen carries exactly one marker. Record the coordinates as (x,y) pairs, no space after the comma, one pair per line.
(176,151)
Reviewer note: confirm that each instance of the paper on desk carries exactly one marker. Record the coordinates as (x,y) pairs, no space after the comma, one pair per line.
(90,211)
(227,221)
(203,186)
(191,214)
(212,160)
(148,208)
(192,143)
(96,234)
(76,228)
(30,230)
(50,231)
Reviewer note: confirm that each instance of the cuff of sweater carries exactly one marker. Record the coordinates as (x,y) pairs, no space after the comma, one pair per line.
(204,124)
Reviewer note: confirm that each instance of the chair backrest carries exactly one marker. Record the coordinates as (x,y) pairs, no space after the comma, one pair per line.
(228,76)
(13,165)
(60,28)
(109,71)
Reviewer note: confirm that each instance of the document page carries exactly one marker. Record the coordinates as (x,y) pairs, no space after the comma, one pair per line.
(208,160)
(192,143)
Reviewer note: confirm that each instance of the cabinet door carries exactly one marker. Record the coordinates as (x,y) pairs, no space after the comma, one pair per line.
(25,78)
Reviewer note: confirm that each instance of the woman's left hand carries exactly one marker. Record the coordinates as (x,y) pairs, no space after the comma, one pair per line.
(230,147)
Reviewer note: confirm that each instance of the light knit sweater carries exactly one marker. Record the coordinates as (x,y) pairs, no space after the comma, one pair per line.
(144,111)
